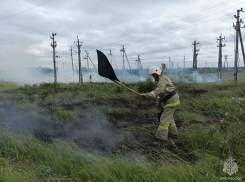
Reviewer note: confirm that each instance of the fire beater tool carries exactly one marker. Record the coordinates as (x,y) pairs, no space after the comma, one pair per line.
(105,69)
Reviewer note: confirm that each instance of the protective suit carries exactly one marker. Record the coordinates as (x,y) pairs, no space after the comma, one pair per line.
(165,93)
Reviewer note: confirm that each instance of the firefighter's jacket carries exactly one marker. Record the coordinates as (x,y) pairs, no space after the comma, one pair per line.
(164,88)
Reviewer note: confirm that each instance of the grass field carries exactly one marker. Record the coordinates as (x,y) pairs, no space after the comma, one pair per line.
(102,132)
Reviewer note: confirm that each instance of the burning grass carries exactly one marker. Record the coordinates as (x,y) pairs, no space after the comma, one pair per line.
(98,132)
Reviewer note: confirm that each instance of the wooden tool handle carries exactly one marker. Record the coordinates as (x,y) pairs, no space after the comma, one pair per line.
(126,87)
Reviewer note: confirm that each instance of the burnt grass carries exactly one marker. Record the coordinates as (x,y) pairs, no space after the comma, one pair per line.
(130,128)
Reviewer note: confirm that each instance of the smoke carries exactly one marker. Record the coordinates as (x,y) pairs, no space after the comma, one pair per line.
(94,133)
(135,156)
(201,79)
(39,75)
(180,75)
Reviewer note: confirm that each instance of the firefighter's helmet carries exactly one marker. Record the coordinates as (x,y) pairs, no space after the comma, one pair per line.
(155,69)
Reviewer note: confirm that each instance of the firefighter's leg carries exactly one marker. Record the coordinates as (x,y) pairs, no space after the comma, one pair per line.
(173,129)
(165,120)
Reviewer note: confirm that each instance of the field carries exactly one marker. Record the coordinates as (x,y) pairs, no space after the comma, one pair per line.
(103,132)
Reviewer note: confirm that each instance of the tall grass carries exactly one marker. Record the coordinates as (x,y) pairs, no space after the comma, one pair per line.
(63,160)
(24,158)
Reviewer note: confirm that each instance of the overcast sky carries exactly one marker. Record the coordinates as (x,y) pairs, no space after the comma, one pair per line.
(153,29)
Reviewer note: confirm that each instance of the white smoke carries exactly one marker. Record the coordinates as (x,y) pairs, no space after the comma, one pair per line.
(32,76)
(196,77)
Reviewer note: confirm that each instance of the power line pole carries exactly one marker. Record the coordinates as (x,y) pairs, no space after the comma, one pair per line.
(220,55)
(79,60)
(110,54)
(124,53)
(87,57)
(53,45)
(112,59)
(139,65)
(123,60)
(226,61)
(238,34)
(72,59)
(195,55)
(57,63)
(171,63)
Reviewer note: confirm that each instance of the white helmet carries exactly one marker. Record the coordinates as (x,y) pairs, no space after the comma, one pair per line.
(155,69)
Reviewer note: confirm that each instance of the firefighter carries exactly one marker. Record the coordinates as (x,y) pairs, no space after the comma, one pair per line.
(164,93)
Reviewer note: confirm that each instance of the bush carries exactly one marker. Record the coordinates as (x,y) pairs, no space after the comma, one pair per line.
(146,86)
(117,89)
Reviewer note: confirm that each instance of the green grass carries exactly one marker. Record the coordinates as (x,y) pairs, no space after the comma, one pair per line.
(64,161)
(7,86)
(199,155)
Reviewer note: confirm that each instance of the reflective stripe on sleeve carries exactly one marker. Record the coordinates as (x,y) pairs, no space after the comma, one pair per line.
(163,127)
(172,104)
(172,125)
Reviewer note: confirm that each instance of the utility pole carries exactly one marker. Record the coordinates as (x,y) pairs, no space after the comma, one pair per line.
(226,56)
(57,63)
(87,57)
(238,34)
(110,54)
(220,55)
(79,60)
(195,50)
(139,65)
(112,59)
(124,54)
(53,45)
(171,63)
(72,59)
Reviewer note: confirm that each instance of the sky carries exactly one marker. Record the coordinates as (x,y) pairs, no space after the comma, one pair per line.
(155,30)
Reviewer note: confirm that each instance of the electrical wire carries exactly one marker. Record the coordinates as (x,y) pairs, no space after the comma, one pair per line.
(163,32)
(24,11)
(165,24)
(178,26)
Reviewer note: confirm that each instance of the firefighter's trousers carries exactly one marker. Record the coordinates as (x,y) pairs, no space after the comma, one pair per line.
(167,124)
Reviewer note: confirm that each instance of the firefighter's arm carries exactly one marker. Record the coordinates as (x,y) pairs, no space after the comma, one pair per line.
(153,94)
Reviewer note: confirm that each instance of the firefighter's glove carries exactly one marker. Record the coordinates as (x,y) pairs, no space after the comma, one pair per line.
(143,96)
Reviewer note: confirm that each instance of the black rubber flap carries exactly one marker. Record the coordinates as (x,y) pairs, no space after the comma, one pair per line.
(104,67)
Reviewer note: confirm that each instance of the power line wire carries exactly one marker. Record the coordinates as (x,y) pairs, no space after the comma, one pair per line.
(175,22)
(170,31)
(166,24)
(24,11)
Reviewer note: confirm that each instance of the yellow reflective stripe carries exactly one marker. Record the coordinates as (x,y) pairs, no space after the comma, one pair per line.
(172,104)
(163,127)
(172,125)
